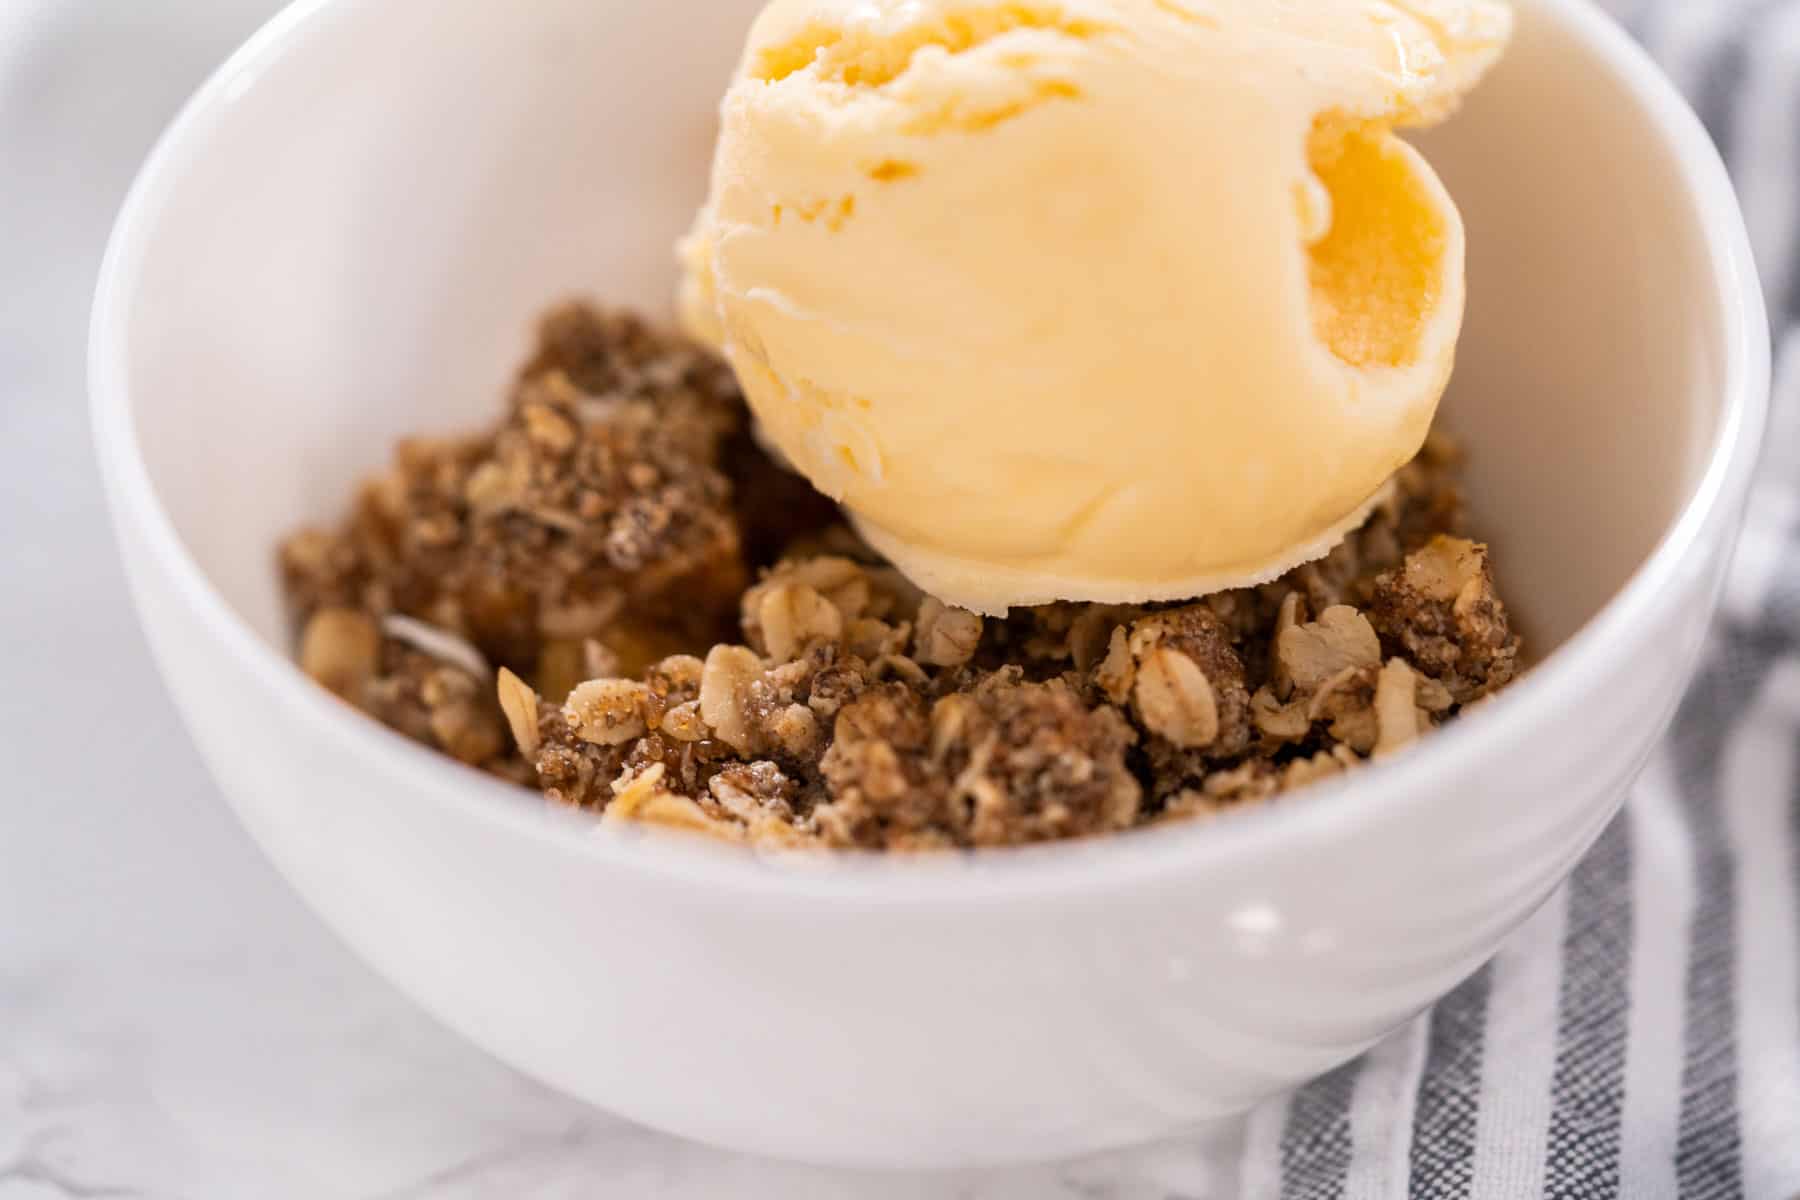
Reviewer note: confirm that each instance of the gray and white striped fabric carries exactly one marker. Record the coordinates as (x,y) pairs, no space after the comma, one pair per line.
(1640,1037)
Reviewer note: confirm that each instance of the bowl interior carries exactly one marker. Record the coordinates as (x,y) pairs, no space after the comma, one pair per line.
(349,238)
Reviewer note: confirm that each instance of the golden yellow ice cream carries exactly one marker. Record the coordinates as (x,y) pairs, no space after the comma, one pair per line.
(1114,300)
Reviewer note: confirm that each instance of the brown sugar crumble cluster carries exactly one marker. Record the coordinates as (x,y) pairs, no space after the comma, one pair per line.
(615,596)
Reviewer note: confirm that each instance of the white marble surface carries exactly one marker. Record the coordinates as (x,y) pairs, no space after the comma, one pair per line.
(172,1022)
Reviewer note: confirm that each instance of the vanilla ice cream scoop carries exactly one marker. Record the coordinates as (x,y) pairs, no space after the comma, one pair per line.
(1115,300)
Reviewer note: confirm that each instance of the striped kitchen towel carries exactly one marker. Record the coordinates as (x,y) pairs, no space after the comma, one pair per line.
(1640,1037)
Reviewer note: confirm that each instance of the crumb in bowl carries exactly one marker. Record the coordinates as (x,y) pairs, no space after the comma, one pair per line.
(615,596)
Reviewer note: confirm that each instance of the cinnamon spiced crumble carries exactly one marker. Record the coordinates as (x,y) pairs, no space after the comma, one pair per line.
(615,596)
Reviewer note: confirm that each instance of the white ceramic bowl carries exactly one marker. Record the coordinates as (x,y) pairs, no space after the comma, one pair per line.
(344,239)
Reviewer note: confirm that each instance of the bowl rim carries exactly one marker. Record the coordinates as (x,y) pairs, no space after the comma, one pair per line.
(1036,873)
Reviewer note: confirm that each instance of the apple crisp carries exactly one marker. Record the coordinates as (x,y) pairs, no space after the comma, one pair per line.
(615,596)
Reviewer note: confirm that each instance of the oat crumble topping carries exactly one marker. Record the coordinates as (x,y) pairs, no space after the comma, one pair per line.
(615,596)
